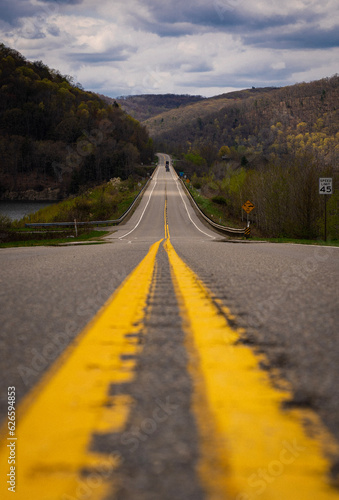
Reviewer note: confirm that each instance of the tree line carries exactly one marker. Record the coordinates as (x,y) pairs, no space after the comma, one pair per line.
(285,194)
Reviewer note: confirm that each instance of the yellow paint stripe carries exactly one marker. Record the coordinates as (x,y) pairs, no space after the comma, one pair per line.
(250,447)
(165,219)
(72,402)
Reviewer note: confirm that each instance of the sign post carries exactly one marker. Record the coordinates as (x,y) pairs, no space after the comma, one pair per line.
(325,187)
(248,207)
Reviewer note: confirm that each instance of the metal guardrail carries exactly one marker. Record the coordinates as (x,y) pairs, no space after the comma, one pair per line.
(93,223)
(228,230)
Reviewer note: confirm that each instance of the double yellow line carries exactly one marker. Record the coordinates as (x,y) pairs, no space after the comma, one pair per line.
(249,447)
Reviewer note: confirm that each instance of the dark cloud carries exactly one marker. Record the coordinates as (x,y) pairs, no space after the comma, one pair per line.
(53,30)
(69,2)
(204,14)
(309,37)
(200,12)
(221,15)
(199,67)
(168,29)
(32,33)
(11,11)
(121,53)
(179,18)
(185,19)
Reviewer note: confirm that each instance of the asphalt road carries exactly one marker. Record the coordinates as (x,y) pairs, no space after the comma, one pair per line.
(283,297)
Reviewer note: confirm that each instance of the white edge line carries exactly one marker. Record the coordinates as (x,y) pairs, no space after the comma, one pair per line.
(190,218)
(149,198)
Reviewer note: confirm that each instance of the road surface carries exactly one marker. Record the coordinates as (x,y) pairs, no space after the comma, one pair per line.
(170,362)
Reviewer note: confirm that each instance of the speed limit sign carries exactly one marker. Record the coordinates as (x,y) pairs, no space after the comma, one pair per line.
(325,185)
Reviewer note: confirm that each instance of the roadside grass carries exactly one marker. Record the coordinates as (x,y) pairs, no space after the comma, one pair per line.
(106,202)
(214,210)
(90,237)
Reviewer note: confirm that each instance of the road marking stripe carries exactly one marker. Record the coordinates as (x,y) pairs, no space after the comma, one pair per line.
(141,216)
(72,402)
(189,216)
(250,447)
(165,217)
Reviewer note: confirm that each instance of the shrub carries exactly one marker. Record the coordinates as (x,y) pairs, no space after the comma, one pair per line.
(5,222)
(220,200)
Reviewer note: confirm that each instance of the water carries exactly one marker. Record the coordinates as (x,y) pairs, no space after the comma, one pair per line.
(16,210)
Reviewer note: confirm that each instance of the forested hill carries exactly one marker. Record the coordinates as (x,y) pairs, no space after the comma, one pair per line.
(55,136)
(142,107)
(278,122)
(193,113)
(146,107)
(270,148)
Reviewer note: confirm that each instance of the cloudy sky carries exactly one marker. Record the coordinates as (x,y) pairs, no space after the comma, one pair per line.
(205,47)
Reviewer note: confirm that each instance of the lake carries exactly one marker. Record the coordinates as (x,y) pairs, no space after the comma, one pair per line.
(15,210)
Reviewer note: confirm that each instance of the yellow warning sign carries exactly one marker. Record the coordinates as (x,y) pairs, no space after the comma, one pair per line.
(248,207)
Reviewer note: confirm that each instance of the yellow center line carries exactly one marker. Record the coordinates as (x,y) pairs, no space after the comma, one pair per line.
(250,447)
(166,217)
(58,418)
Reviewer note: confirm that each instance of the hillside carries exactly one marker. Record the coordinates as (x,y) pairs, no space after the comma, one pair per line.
(55,137)
(269,148)
(274,123)
(163,123)
(142,107)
